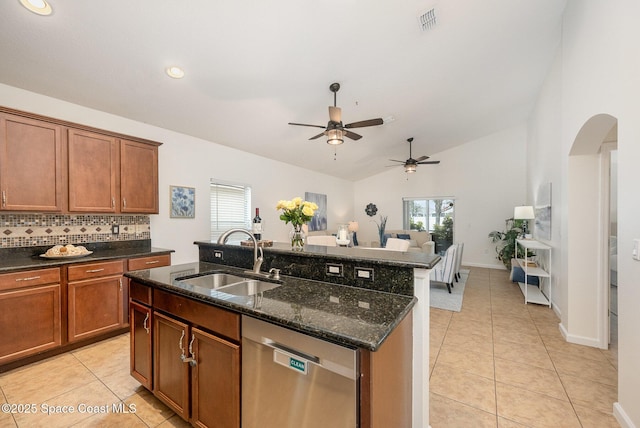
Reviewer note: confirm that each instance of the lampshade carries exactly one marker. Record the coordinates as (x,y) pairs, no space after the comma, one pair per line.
(410,167)
(353,226)
(335,137)
(523,212)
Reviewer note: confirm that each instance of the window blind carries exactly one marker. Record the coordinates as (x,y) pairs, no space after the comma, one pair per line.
(230,207)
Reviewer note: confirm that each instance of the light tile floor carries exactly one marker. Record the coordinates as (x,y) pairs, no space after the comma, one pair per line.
(497,363)
(501,363)
(94,381)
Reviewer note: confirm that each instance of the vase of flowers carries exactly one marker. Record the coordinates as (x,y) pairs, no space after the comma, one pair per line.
(297,212)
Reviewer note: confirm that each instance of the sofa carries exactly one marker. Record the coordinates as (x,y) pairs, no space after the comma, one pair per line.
(418,240)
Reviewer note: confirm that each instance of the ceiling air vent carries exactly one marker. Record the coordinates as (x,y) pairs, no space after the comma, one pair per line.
(427,20)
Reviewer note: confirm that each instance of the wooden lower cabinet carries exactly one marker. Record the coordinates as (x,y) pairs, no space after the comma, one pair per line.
(30,313)
(215,381)
(196,356)
(95,299)
(196,373)
(141,331)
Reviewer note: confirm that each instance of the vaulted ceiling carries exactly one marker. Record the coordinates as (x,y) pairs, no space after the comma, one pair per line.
(253,66)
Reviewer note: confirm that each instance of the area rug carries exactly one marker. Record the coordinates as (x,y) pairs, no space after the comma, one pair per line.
(440,298)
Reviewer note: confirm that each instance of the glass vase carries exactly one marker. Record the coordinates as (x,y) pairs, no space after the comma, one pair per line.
(297,237)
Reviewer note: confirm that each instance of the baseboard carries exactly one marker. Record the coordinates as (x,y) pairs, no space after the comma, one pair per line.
(622,417)
(578,340)
(484,265)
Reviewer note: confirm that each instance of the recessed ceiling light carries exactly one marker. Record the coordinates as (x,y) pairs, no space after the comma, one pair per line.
(41,7)
(175,72)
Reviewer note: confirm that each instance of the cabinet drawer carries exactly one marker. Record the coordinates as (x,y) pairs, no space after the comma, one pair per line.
(140,293)
(149,262)
(217,320)
(29,278)
(94,270)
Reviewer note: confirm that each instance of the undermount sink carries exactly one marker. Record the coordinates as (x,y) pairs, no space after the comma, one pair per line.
(230,284)
(214,280)
(248,287)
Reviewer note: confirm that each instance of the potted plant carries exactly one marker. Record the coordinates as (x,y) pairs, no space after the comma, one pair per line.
(506,241)
(443,234)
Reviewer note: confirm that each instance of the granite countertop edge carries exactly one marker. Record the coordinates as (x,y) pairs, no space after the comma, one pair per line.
(371,340)
(15,264)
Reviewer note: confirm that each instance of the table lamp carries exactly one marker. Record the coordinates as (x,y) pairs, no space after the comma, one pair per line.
(524,212)
(353,228)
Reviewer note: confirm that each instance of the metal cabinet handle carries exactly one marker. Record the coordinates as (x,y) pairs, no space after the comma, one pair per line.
(152,262)
(124,202)
(113,202)
(28,278)
(120,281)
(192,359)
(94,270)
(4,199)
(144,323)
(182,356)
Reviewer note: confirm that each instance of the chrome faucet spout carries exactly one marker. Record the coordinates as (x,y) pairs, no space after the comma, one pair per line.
(257,261)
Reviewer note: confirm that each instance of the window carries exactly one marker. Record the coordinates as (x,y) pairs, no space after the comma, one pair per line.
(230,207)
(434,215)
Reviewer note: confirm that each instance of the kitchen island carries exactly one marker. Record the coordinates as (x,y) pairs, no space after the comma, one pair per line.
(356,298)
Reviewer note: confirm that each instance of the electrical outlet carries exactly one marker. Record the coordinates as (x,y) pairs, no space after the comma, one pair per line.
(115,229)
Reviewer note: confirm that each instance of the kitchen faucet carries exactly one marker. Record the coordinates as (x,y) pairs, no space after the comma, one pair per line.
(257,261)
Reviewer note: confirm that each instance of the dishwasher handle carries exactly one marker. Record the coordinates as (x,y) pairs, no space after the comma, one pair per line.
(290,358)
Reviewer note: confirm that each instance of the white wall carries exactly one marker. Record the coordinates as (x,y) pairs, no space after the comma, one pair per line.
(596,72)
(486,177)
(189,161)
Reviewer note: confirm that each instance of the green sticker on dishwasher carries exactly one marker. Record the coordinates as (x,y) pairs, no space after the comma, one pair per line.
(297,364)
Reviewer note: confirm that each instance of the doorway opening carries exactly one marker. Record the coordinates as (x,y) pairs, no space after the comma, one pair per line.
(591,240)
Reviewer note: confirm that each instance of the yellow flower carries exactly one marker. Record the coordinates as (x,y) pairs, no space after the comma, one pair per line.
(307,210)
(297,201)
(289,205)
(313,205)
(280,205)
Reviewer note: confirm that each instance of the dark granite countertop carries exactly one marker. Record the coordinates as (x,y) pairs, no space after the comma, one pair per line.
(349,316)
(16,259)
(414,259)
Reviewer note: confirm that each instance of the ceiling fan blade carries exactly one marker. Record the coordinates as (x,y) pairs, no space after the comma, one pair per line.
(352,135)
(421,158)
(335,114)
(429,163)
(304,124)
(393,160)
(363,123)
(318,136)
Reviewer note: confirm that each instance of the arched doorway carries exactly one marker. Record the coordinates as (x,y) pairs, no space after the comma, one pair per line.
(589,232)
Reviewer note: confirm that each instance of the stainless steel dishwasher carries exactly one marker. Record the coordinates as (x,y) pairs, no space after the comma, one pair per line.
(293,380)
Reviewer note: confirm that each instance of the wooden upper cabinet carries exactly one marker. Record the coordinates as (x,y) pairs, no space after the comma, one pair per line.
(93,168)
(138,177)
(31,166)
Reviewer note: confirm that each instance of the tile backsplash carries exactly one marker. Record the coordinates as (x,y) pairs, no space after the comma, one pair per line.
(29,230)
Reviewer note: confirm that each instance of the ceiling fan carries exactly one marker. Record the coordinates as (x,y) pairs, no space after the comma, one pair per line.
(411,164)
(335,130)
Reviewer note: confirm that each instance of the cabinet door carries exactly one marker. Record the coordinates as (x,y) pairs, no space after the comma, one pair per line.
(215,381)
(93,167)
(29,321)
(95,306)
(170,373)
(138,177)
(141,356)
(31,165)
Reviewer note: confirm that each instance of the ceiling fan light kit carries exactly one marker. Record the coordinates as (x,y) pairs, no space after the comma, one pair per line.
(335,137)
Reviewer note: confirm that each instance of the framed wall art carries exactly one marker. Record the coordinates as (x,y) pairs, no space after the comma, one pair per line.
(182,202)
(319,220)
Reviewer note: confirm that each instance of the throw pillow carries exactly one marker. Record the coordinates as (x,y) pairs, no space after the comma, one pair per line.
(413,243)
(404,236)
